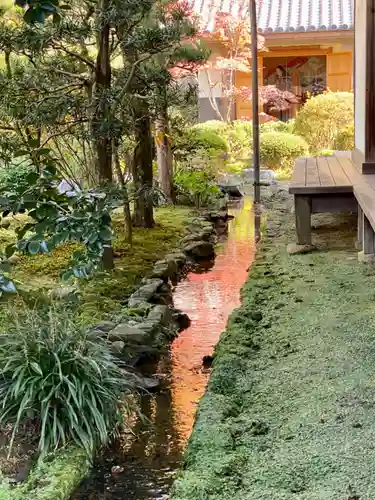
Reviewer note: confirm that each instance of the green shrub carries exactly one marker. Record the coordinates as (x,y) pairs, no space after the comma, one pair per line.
(241,139)
(279,150)
(197,187)
(323,117)
(69,383)
(14,177)
(345,138)
(200,141)
(278,126)
(209,139)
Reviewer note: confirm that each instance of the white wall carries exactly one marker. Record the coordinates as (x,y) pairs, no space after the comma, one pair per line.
(360,74)
(211,78)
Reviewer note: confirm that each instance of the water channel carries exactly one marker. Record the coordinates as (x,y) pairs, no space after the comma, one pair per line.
(142,464)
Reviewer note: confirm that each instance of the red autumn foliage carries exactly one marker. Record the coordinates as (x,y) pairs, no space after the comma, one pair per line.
(274,98)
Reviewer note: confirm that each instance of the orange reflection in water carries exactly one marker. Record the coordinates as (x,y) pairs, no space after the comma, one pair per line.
(208,299)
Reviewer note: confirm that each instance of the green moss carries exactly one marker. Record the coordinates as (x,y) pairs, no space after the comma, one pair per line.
(53,480)
(290,411)
(105,293)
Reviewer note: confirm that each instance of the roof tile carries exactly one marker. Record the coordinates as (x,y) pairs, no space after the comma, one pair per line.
(283,16)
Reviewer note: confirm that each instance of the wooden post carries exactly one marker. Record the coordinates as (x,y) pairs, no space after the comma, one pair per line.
(368,238)
(255,100)
(303,219)
(359,243)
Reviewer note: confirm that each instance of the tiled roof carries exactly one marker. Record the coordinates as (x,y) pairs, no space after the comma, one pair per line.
(285,16)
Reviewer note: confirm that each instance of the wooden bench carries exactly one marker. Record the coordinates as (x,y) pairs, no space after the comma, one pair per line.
(333,184)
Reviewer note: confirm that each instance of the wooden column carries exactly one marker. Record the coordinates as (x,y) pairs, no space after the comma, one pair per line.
(370,84)
(366,159)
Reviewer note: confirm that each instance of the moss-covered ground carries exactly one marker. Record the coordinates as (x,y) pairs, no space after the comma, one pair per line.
(101,297)
(106,293)
(289,413)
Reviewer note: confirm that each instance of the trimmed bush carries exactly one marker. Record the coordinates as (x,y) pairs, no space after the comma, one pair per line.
(278,126)
(65,381)
(323,117)
(279,150)
(205,140)
(240,139)
(345,139)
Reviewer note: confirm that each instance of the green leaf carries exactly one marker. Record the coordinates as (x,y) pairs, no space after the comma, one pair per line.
(9,250)
(9,287)
(35,15)
(33,247)
(106,234)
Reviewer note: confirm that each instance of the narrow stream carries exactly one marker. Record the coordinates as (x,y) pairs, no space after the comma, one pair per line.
(142,465)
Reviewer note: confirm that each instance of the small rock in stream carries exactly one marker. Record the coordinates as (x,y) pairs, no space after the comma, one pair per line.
(207,362)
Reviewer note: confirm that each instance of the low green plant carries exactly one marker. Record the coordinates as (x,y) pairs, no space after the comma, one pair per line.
(323,117)
(345,138)
(58,376)
(278,126)
(278,151)
(198,187)
(14,177)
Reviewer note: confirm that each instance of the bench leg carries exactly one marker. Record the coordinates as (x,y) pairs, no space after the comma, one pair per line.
(359,242)
(368,240)
(303,219)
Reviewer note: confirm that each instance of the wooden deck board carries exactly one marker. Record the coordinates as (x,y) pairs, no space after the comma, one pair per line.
(338,173)
(299,172)
(333,184)
(350,170)
(312,173)
(325,175)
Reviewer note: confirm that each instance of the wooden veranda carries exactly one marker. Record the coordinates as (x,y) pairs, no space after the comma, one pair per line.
(346,181)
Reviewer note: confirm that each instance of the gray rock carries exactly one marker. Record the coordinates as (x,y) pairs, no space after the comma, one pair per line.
(160,314)
(149,327)
(200,250)
(94,334)
(149,384)
(118,346)
(104,326)
(145,293)
(14,259)
(177,257)
(294,249)
(180,319)
(204,235)
(165,269)
(68,293)
(128,334)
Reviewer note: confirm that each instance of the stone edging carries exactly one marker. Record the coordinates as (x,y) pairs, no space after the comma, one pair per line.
(151,321)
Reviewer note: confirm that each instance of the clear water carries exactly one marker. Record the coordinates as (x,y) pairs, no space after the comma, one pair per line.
(142,465)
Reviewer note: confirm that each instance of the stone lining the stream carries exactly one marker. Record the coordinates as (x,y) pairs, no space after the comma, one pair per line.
(153,321)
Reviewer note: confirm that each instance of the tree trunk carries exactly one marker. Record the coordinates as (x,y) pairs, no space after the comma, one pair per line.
(142,171)
(102,140)
(126,205)
(164,157)
(101,116)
